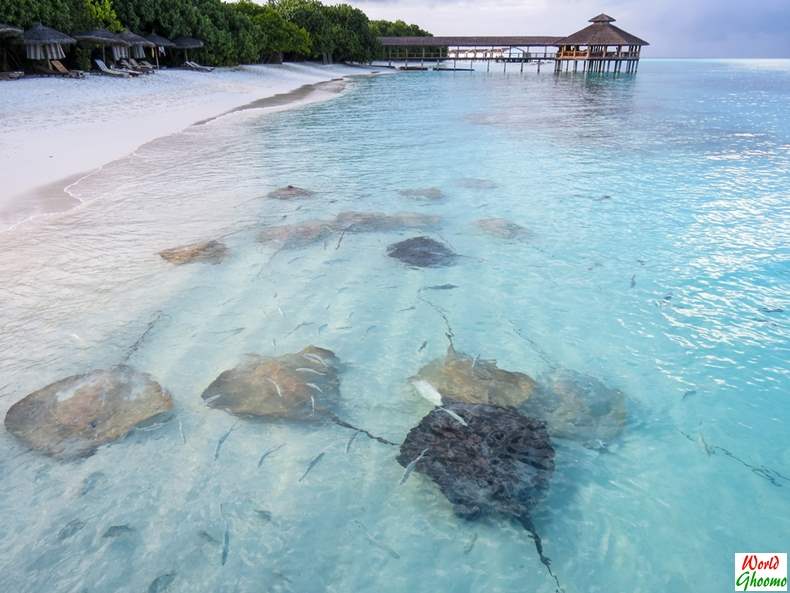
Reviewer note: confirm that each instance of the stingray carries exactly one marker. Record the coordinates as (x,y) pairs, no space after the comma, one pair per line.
(423,193)
(290,192)
(212,252)
(300,386)
(578,407)
(359,222)
(461,378)
(294,236)
(74,416)
(502,228)
(486,460)
(422,252)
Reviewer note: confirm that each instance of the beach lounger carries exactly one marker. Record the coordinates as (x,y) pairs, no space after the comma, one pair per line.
(147,64)
(58,66)
(11,75)
(126,65)
(141,66)
(104,69)
(195,66)
(44,69)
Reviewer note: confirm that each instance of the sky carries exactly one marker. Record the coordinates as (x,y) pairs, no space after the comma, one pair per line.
(674,28)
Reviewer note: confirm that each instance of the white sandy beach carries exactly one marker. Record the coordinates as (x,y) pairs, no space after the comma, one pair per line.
(55,130)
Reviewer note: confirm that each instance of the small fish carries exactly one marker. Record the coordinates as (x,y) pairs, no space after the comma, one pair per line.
(315,358)
(410,467)
(269,452)
(427,391)
(708,449)
(440,287)
(225,544)
(314,386)
(70,529)
(370,329)
(349,316)
(312,405)
(641,262)
(117,531)
(383,547)
(91,482)
(454,416)
(422,347)
(282,314)
(274,343)
(471,544)
(264,515)
(689,393)
(162,583)
(222,439)
(412,308)
(633,280)
(343,327)
(307,370)
(774,310)
(668,297)
(206,536)
(474,362)
(351,440)
(181,432)
(322,327)
(313,463)
(213,398)
(300,326)
(276,386)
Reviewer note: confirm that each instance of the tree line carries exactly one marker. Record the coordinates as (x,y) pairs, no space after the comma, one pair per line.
(233,32)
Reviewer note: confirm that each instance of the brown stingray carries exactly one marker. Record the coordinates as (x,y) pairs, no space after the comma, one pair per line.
(74,416)
(212,252)
(461,378)
(423,193)
(290,192)
(300,386)
(302,234)
(502,228)
(359,222)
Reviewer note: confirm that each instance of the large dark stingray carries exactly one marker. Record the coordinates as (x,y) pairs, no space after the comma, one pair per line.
(485,459)
(422,252)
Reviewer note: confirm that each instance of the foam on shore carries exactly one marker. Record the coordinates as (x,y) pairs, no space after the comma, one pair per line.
(57,130)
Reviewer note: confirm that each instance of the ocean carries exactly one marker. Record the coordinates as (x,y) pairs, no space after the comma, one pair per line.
(651,261)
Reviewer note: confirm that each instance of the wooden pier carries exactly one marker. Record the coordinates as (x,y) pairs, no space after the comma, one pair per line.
(599,48)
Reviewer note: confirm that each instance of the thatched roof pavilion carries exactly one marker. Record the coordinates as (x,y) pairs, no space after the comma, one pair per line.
(187,43)
(104,39)
(602,32)
(159,41)
(44,43)
(137,44)
(600,47)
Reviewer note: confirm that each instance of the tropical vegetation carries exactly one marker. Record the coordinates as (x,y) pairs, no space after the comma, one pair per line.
(233,32)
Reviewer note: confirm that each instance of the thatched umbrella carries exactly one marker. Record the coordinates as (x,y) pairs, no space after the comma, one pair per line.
(43,43)
(160,44)
(103,38)
(7,32)
(187,43)
(137,44)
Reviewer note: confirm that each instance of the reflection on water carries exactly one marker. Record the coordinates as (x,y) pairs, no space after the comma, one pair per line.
(619,269)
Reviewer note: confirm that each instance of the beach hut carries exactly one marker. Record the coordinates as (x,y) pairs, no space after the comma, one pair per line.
(137,44)
(43,43)
(187,43)
(160,45)
(7,32)
(104,39)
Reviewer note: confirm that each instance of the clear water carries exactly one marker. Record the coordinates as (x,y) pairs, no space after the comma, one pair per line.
(678,178)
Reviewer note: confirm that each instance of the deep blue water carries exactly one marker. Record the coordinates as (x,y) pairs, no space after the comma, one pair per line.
(656,260)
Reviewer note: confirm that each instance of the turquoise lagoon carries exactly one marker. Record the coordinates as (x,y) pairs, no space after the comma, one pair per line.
(657,261)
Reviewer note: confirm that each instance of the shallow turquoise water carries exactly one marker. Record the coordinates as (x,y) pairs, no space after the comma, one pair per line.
(657,262)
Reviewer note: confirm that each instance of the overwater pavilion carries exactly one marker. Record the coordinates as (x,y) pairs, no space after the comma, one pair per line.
(600,47)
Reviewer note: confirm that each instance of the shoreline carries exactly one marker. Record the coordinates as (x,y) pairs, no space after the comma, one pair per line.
(36,190)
